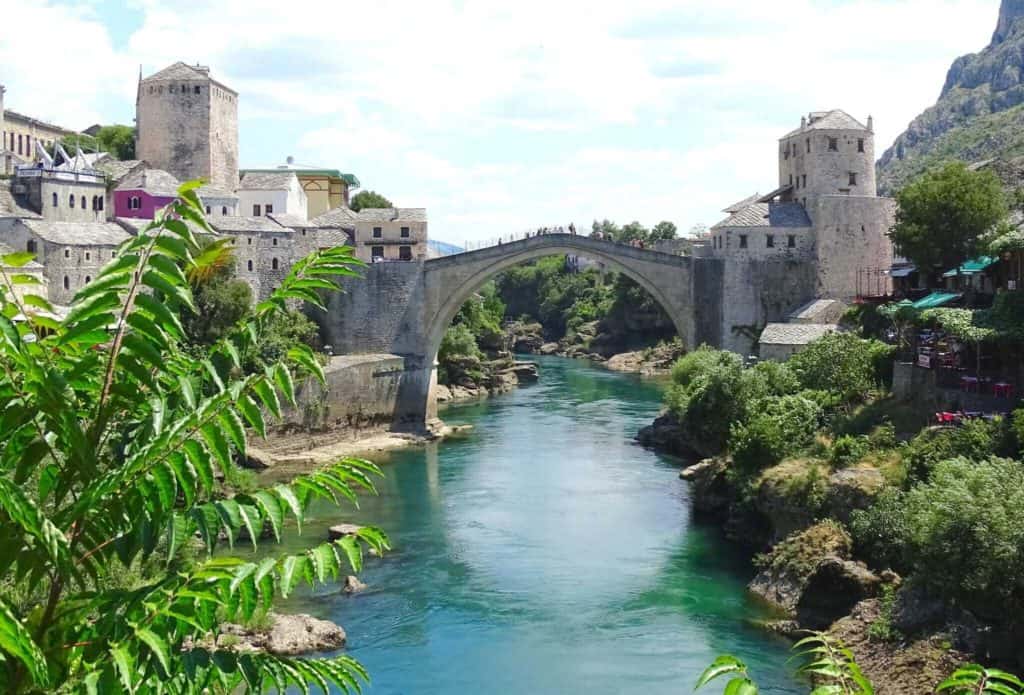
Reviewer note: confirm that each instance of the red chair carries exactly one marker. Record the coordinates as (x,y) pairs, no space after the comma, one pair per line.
(1003,389)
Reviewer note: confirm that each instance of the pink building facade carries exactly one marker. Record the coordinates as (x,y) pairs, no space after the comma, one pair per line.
(138,203)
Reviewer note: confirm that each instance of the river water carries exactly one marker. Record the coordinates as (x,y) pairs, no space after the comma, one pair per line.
(545,553)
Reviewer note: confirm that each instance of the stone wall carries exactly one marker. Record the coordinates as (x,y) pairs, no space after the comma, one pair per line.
(263,259)
(39,195)
(828,172)
(756,292)
(852,238)
(223,137)
(361,393)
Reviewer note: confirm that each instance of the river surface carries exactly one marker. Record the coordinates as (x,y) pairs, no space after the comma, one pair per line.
(545,553)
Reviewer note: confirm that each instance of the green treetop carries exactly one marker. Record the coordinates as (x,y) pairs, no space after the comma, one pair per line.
(369,199)
(943,215)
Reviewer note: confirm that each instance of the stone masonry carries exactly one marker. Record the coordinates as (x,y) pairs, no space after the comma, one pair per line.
(188,125)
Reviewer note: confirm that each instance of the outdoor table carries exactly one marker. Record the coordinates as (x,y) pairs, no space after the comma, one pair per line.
(1003,389)
(969,383)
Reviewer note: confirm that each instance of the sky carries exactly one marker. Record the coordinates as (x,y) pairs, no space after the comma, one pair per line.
(501,116)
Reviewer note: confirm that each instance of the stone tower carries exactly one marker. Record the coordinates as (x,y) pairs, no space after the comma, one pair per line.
(831,153)
(187,124)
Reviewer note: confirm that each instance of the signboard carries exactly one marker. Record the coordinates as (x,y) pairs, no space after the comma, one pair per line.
(924,361)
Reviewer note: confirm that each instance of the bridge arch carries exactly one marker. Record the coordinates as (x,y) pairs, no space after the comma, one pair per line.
(451,280)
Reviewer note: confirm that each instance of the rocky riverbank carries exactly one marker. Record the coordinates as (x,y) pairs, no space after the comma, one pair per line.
(904,641)
(587,342)
(471,378)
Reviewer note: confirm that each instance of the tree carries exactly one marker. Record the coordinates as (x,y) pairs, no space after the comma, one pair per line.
(369,199)
(663,231)
(113,441)
(942,216)
(118,140)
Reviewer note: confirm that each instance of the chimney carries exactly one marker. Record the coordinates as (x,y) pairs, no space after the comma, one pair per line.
(803,122)
(871,124)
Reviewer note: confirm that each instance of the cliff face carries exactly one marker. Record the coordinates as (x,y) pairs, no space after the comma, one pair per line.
(979,114)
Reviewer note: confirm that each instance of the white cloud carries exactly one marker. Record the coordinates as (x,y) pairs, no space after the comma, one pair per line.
(527,113)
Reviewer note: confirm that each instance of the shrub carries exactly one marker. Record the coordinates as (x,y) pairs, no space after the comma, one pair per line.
(841,363)
(779,426)
(882,629)
(974,439)
(847,450)
(878,531)
(964,534)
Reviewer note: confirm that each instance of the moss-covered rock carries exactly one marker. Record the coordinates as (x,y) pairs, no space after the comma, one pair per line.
(787,569)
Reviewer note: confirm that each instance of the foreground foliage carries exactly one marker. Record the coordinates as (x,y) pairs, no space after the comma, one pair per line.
(833,670)
(113,441)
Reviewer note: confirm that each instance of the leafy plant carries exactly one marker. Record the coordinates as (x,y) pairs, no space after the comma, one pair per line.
(976,680)
(113,440)
(728,666)
(882,629)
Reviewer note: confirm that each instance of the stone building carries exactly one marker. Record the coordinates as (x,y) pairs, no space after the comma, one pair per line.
(267,193)
(391,234)
(326,189)
(825,210)
(187,124)
(20,133)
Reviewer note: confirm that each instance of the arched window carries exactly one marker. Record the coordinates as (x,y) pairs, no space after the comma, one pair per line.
(88,279)
(67,282)
(71,201)
(134,203)
(224,210)
(249,265)
(54,200)
(67,253)
(99,203)
(31,246)
(273,264)
(88,256)
(207,209)
(83,202)
(274,241)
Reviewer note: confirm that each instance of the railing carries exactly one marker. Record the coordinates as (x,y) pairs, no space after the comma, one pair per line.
(515,236)
(35,172)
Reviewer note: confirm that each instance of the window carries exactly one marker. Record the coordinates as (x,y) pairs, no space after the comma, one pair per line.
(99,203)
(273,263)
(853,179)
(54,200)
(71,201)
(197,89)
(860,144)
(268,209)
(88,256)
(377,252)
(134,203)
(249,266)
(249,240)
(805,181)
(67,253)
(31,246)
(19,144)
(256,210)
(207,209)
(113,254)
(224,210)
(405,232)
(798,182)
(790,179)
(833,144)
(770,241)
(743,241)
(808,145)
(83,202)
(67,282)
(405,253)
(88,279)
(378,232)
(791,241)
(274,241)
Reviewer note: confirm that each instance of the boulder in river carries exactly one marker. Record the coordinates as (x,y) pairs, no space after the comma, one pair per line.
(287,635)
(353,585)
(341,530)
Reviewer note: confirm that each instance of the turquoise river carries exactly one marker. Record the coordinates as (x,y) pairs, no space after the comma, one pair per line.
(545,552)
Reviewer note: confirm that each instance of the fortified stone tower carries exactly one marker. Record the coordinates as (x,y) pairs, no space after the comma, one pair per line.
(187,124)
(831,153)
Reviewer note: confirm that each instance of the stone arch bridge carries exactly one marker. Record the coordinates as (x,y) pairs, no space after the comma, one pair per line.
(405,308)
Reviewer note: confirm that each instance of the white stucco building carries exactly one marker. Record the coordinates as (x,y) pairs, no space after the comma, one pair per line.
(272,193)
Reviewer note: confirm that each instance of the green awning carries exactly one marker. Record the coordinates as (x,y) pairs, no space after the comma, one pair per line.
(972,267)
(936,299)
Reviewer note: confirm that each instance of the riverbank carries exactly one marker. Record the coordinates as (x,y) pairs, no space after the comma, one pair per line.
(864,521)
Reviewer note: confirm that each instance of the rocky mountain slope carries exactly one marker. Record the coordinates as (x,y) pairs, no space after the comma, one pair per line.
(979,114)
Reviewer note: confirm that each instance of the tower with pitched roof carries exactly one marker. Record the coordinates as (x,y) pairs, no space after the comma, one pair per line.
(187,124)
